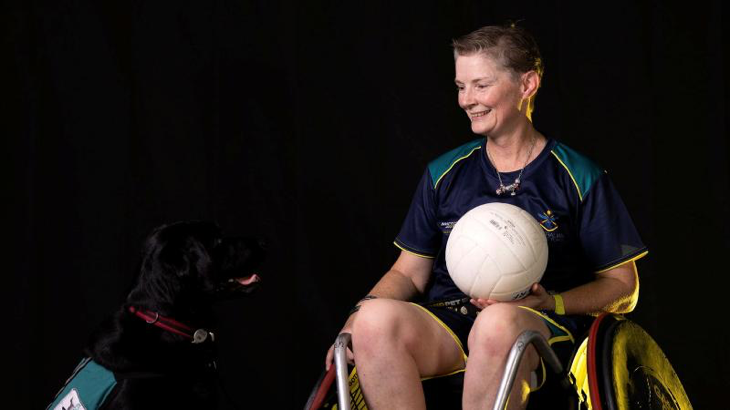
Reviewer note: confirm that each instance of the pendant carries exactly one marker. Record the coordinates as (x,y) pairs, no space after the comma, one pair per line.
(511,188)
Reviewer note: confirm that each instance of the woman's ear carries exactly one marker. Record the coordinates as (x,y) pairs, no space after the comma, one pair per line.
(529,84)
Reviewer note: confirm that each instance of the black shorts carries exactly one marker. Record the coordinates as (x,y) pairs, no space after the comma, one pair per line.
(564,329)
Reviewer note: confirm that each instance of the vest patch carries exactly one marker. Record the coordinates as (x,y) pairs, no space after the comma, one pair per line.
(70,402)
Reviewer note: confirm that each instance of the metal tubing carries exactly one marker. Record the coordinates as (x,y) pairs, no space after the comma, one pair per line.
(513,362)
(343,390)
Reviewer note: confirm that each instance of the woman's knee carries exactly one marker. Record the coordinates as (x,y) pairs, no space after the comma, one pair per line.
(379,321)
(497,327)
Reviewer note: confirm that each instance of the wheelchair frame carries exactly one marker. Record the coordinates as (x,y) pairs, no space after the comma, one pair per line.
(524,340)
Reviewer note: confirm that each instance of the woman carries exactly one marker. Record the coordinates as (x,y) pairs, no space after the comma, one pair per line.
(592,243)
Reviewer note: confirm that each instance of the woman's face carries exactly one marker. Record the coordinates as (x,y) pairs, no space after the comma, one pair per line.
(490,95)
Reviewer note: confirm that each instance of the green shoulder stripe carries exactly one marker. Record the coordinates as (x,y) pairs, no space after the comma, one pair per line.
(582,170)
(443,164)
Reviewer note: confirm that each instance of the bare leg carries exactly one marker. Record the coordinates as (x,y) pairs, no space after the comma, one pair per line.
(395,344)
(494,332)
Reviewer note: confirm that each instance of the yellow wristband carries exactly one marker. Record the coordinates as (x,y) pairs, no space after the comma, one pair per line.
(559,306)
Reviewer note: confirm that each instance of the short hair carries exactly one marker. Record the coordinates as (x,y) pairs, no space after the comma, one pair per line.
(512,47)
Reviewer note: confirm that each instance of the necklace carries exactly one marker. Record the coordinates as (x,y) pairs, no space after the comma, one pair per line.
(513,187)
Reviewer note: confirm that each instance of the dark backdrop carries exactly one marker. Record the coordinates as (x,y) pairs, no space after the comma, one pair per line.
(310,123)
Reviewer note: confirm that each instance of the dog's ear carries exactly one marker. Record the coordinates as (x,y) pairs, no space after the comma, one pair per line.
(175,260)
(188,260)
(175,264)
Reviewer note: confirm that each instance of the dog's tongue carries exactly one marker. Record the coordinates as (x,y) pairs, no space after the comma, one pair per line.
(249,280)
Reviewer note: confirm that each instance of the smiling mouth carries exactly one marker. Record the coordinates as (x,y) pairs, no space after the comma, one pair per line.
(479,114)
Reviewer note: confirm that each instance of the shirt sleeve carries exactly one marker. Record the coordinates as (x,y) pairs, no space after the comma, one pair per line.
(607,233)
(420,234)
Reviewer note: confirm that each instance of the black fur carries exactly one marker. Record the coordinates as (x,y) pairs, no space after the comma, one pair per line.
(185,267)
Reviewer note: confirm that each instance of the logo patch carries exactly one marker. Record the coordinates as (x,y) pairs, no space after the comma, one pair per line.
(446,227)
(547,220)
(70,402)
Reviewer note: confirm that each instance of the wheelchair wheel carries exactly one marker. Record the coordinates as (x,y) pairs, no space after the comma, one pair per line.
(628,370)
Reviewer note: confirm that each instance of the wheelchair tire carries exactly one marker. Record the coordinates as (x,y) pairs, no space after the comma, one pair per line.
(628,370)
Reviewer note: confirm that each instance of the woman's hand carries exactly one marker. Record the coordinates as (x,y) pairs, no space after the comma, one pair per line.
(538,299)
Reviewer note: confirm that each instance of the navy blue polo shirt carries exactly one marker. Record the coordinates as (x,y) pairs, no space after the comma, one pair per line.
(585,221)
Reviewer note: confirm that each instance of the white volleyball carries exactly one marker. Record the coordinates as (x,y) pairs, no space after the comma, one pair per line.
(496,251)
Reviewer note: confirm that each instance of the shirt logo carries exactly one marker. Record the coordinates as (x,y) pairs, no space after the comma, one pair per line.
(547,220)
(446,227)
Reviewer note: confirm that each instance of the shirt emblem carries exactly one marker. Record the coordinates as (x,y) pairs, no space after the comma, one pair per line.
(547,220)
(446,227)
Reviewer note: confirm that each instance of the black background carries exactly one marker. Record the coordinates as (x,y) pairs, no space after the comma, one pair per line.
(310,123)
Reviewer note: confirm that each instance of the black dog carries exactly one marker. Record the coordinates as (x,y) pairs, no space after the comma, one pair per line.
(157,351)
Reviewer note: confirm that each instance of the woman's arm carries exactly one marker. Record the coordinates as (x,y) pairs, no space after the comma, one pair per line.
(613,291)
(406,279)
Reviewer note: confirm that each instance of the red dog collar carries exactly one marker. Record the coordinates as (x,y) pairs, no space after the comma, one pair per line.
(171,325)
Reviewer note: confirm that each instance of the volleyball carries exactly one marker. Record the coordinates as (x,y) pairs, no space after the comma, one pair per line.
(496,251)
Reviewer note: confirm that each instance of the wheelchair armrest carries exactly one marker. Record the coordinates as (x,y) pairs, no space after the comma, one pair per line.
(515,356)
(343,391)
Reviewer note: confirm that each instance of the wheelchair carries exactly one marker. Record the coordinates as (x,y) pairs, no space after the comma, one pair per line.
(616,365)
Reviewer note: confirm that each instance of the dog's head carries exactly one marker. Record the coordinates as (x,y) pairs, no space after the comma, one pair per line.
(187,265)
